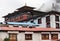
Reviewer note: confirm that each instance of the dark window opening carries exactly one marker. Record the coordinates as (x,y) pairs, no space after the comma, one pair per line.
(15,26)
(56,18)
(39,21)
(31,26)
(48,19)
(45,36)
(57,25)
(54,36)
(32,21)
(28,36)
(48,25)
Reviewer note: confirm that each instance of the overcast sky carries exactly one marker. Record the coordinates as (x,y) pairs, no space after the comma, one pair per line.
(8,6)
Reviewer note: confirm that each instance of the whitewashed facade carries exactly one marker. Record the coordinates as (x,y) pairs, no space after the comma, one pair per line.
(33,25)
(36,36)
(43,20)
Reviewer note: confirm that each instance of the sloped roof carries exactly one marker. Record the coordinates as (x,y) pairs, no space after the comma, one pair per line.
(25,7)
(53,12)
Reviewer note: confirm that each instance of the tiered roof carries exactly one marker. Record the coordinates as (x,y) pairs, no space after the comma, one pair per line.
(32,12)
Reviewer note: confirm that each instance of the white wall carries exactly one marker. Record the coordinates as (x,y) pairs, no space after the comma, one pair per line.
(52,21)
(43,19)
(36,36)
(44,22)
(3,35)
(21,36)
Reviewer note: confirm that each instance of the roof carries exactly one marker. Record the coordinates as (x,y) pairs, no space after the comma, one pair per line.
(54,12)
(27,29)
(34,12)
(22,9)
(25,7)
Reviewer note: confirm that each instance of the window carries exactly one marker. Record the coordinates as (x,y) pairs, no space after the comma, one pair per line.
(56,18)
(28,36)
(39,21)
(31,26)
(10,19)
(25,16)
(13,37)
(24,26)
(48,25)
(54,36)
(15,26)
(32,21)
(21,17)
(48,19)
(6,19)
(18,18)
(57,25)
(45,36)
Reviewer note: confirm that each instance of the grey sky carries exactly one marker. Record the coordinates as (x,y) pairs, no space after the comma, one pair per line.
(8,6)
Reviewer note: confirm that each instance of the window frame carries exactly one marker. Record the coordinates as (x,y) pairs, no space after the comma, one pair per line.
(43,36)
(53,37)
(12,36)
(39,21)
(57,18)
(48,21)
(28,35)
(48,25)
(57,25)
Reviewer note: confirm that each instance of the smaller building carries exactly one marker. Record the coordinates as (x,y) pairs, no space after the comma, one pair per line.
(20,33)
